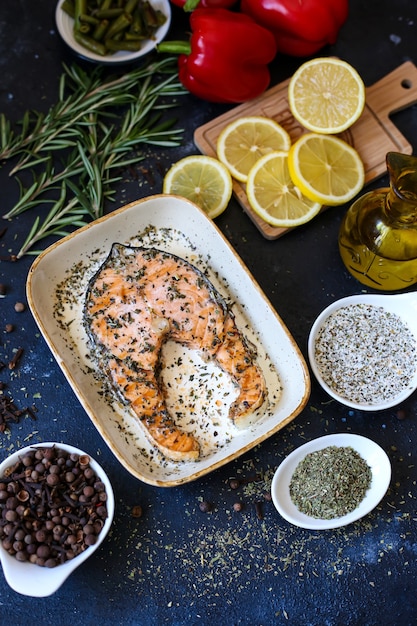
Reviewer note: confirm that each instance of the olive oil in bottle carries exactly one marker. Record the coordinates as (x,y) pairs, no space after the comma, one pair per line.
(378,235)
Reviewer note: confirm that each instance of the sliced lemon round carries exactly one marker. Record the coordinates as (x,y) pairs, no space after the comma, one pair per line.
(326,169)
(245,140)
(203,180)
(326,95)
(274,197)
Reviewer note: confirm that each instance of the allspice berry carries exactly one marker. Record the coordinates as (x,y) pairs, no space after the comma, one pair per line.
(205,506)
(137,511)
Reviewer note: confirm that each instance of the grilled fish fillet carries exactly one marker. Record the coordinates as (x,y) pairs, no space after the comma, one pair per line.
(140,298)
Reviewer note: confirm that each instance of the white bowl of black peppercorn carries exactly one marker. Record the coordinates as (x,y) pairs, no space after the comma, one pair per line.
(57,506)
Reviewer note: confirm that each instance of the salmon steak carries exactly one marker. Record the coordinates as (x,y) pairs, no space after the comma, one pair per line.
(142,297)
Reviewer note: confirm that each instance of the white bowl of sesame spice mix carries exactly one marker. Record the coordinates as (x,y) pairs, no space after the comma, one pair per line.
(363,350)
(57,506)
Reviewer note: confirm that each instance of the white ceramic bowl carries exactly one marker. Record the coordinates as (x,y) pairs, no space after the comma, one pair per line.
(65,28)
(404,306)
(33,580)
(371,452)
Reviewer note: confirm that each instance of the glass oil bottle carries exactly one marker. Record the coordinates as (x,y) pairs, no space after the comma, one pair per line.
(378,235)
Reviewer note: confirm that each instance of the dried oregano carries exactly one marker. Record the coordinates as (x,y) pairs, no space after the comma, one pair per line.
(330,483)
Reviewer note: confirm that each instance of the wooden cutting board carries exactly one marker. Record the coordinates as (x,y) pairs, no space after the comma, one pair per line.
(373,135)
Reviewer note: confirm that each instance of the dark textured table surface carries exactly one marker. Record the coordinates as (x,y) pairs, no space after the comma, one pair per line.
(175,564)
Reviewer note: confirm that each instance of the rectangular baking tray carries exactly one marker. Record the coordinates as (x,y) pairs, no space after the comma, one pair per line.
(56,287)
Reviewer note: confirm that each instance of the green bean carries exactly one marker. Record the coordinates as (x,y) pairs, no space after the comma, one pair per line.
(130,6)
(119,24)
(108,13)
(137,26)
(68,7)
(129,36)
(84,29)
(149,15)
(100,30)
(90,43)
(130,46)
(80,9)
(89,19)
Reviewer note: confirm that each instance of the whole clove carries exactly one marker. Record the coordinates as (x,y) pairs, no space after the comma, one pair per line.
(16,358)
(57,505)
(9,412)
(259,511)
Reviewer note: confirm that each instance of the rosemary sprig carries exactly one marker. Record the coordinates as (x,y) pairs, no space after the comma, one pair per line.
(75,153)
(62,214)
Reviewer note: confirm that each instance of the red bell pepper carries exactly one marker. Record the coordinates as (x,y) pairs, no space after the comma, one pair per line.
(226,59)
(190,5)
(300,27)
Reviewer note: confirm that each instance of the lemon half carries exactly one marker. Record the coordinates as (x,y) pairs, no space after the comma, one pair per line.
(326,95)
(245,140)
(203,180)
(274,197)
(326,169)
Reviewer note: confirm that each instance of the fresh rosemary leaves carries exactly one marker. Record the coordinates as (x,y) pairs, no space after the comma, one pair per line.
(330,482)
(75,153)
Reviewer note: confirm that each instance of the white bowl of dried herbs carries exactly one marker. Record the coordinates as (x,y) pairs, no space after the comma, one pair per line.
(363,350)
(331,481)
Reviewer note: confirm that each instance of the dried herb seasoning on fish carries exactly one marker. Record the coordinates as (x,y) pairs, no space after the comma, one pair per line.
(330,483)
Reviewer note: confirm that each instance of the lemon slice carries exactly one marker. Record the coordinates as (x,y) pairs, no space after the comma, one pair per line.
(326,169)
(274,197)
(245,140)
(326,95)
(203,180)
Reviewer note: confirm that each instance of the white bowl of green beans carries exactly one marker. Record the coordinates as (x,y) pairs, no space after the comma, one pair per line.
(113,31)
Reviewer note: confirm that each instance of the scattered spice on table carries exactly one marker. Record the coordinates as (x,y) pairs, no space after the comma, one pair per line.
(330,482)
(365,353)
